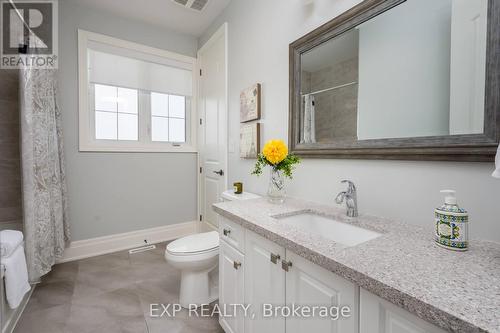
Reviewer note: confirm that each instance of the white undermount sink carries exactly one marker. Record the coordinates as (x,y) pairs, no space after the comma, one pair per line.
(338,232)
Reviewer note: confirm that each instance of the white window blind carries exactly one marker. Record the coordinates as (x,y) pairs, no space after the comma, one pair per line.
(144,74)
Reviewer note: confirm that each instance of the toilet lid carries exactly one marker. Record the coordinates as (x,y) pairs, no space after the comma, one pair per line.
(195,243)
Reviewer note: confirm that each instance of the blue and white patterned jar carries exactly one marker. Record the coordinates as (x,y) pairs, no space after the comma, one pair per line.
(452,224)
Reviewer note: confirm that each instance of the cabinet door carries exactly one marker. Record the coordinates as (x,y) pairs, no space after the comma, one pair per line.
(380,316)
(231,286)
(309,285)
(264,283)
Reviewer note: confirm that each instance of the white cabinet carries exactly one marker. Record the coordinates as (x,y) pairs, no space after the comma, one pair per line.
(231,286)
(256,271)
(380,316)
(311,285)
(264,282)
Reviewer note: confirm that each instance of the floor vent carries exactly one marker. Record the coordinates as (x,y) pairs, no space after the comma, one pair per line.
(197,5)
(142,249)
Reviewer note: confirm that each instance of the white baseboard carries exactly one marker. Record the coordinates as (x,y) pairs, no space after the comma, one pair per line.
(107,244)
(206,227)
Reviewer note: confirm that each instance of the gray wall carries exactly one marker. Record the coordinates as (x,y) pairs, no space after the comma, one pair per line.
(414,100)
(111,193)
(259,34)
(10,172)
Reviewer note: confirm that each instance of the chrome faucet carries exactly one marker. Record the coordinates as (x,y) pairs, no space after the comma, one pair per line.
(350,198)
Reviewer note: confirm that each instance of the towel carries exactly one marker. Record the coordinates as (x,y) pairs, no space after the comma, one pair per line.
(9,241)
(496,173)
(16,277)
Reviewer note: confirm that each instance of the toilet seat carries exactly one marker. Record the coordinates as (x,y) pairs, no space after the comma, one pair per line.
(191,257)
(197,244)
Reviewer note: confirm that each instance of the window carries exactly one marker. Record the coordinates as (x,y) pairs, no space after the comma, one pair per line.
(168,118)
(133,97)
(116,113)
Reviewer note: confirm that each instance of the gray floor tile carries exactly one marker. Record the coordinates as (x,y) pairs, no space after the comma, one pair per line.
(98,282)
(104,262)
(110,293)
(51,320)
(119,310)
(158,292)
(51,294)
(121,302)
(62,272)
(154,271)
(90,319)
(165,325)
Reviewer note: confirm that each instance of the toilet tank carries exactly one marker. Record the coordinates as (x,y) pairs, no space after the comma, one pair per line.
(229,195)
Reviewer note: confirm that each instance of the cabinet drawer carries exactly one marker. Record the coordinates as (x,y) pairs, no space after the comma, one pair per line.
(232,233)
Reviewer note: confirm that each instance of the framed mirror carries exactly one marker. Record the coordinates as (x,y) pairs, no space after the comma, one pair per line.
(399,79)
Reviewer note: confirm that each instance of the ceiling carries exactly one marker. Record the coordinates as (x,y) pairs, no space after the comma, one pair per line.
(162,13)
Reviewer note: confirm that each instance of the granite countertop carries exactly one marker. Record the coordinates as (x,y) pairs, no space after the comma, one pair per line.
(457,291)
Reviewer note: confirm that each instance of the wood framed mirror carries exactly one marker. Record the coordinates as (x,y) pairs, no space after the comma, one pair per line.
(399,79)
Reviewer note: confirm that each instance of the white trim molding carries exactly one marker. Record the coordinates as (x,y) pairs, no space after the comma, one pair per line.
(107,244)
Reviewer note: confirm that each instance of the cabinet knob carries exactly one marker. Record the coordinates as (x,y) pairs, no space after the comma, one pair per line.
(226,232)
(236,264)
(275,258)
(285,265)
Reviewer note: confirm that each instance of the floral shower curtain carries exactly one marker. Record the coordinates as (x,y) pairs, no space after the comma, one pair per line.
(46,227)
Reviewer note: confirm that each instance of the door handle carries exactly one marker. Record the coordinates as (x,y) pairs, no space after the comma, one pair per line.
(275,258)
(220,172)
(285,265)
(226,232)
(236,264)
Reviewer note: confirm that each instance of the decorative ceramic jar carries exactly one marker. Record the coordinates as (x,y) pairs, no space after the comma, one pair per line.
(452,224)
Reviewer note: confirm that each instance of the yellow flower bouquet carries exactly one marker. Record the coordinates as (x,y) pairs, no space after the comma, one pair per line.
(275,154)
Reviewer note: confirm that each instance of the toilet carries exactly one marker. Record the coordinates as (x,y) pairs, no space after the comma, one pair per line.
(196,256)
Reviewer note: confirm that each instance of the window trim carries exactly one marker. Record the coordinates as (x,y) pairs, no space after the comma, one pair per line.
(85,134)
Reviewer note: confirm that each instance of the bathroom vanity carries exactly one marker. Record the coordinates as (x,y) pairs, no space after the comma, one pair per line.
(391,275)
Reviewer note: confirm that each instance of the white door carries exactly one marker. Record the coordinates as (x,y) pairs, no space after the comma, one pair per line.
(380,316)
(308,284)
(264,283)
(212,103)
(231,287)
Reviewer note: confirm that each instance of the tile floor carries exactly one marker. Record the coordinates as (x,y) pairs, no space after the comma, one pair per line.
(110,293)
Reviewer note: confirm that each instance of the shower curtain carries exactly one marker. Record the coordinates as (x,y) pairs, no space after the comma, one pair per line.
(309,130)
(46,227)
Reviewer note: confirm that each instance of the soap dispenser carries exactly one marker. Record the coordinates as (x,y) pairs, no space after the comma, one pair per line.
(452,224)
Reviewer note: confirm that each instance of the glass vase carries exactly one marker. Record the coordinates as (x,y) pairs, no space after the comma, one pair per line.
(276,192)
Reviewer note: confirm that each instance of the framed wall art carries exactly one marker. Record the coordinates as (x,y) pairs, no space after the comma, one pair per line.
(249,140)
(250,103)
